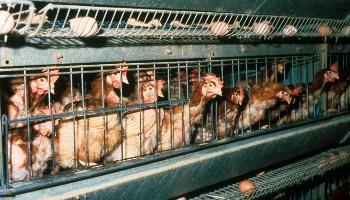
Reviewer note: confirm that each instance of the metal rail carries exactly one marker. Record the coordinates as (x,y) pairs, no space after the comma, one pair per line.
(287,176)
(179,75)
(68,21)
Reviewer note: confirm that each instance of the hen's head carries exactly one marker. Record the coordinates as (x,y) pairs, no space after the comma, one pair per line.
(117,78)
(42,85)
(284,96)
(237,95)
(212,86)
(151,90)
(334,67)
(330,76)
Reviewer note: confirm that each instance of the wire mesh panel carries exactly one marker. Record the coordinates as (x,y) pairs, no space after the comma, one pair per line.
(276,180)
(16,16)
(86,21)
(73,117)
(338,94)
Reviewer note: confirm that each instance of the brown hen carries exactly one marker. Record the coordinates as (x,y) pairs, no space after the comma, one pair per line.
(89,139)
(178,120)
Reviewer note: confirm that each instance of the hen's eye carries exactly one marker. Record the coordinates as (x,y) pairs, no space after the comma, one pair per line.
(42,79)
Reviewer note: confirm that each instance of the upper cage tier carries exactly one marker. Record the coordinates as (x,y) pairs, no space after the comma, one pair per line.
(60,20)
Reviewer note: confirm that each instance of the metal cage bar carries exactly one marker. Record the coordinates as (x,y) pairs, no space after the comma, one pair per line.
(56,20)
(145,120)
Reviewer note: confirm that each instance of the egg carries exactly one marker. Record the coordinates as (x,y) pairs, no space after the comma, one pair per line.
(324,30)
(83,26)
(289,30)
(246,187)
(263,28)
(219,28)
(346,31)
(7,22)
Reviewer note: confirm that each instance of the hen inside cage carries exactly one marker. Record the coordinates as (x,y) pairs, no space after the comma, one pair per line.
(74,117)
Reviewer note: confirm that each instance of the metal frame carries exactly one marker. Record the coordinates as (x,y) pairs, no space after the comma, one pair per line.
(202,162)
(205,167)
(74,21)
(69,55)
(289,175)
(156,23)
(299,64)
(274,7)
(22,11)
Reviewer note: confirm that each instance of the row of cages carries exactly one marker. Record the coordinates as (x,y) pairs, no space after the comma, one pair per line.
(70,118)
(61,20)
(321,176)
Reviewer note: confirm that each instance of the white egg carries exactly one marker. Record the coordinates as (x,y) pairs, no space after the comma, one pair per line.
(324,30)
(346,31)
(289,30)
(7,22)
(219,28)
(263,28)
(83,26)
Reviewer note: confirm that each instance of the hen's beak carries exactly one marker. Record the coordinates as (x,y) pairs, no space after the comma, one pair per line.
(336,76)
(160,94)
(218,92)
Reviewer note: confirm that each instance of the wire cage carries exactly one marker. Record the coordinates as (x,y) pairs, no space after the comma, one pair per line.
(68,116)
(16,16)
(61,20)
(73,118)
(283,182)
